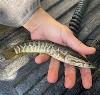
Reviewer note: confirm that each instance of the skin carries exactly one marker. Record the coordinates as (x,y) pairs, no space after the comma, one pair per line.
(43,27)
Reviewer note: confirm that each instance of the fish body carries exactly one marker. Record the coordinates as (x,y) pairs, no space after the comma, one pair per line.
(59,52)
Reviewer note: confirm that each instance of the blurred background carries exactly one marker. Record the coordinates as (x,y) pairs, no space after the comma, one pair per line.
(22,76)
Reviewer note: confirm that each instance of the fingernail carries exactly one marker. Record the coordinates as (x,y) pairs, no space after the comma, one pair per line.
(38,61)
(69,85)
(51,80)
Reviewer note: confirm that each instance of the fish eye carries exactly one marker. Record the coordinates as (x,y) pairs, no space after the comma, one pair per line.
(90,64)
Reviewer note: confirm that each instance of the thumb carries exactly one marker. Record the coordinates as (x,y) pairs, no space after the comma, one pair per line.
(70,40)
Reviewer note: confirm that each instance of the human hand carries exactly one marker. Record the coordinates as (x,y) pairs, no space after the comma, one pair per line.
(43,27)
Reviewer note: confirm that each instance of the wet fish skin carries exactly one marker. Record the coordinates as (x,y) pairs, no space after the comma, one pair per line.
(59,52)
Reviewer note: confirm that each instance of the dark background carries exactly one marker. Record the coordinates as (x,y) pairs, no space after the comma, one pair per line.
(21,76)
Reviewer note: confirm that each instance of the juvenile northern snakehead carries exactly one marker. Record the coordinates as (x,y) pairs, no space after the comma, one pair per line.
(59,52)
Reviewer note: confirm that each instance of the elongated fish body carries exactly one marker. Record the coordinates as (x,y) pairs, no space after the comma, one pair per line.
(57,51)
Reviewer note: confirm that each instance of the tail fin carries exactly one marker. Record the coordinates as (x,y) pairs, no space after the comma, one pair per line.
(9,54)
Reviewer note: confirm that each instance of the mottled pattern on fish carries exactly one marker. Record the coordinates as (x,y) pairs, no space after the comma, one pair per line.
(57,51)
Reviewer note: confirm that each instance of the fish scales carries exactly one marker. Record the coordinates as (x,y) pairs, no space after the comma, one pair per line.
(59,52)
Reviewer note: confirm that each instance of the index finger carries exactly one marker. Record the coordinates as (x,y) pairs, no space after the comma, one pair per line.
(70,40)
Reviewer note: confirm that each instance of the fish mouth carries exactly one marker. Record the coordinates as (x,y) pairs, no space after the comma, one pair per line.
(81,64)
(91,67)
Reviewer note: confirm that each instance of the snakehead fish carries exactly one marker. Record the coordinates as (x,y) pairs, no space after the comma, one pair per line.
(59,52)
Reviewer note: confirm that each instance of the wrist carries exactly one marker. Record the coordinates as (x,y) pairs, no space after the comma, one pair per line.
(34,21)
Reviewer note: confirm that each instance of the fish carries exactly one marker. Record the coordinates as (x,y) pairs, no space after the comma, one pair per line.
(57,51)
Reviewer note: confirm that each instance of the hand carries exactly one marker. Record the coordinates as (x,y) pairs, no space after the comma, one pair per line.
(43,27)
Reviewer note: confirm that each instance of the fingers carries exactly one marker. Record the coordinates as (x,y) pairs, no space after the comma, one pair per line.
(41,58)
(53,70)
(70,76)
(86,78)
(70,40)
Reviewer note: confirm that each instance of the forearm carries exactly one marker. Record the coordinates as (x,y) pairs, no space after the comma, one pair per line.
(16,12)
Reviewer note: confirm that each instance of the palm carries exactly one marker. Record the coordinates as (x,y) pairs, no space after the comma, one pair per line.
(46,28)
